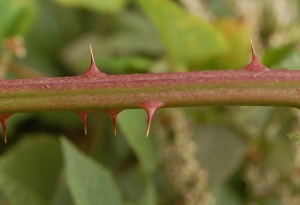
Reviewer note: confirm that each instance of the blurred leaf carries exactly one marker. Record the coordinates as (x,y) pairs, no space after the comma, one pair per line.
(224,148)
(15,16)
(149,197)
(62,195)
(273,56)
(111,6)
(138,188)
(134,128)
(294,137)
(253,119)
(291,62)
(280,156)
(282,121)
(188,39)
(220,8)
(42,49)
(89,182)
(125,64)
(237,34)
(29,172)
(225,195)
(60,119)
(135,35)
(270,200)
(130,47)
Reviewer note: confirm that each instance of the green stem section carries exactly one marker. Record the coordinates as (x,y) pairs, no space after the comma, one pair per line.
(176,89)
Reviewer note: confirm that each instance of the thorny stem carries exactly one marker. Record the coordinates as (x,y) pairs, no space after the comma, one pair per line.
(254,85)
(230,87)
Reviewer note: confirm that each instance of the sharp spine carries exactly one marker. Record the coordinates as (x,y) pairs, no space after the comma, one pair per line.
(113,115)
(83,115)
(93,70)
(255,64)
(150,107)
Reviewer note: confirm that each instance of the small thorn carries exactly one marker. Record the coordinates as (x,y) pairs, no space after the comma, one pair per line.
(255,64)
(151,107)
(3,120)
(114,114)
(83,116)
(93,70)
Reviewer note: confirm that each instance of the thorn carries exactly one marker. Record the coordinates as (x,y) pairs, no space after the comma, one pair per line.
(83,116)
(114,114)
(3,120)
(93,70)
(255,64)
(150,108)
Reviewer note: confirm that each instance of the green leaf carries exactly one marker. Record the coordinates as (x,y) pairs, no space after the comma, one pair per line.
(291,62)
(280,156)
(138,187)
(126,49)
(111,6)
(29,172)
(294,137)
(273,56)
(134,129)
(225,149)
(89,182)
(224,194)
(237,36)
(187,38)
(16,16)
(150,196)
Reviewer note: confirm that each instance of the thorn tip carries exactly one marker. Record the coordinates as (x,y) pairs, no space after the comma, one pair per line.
(148,129)
(252,50)
(92,55)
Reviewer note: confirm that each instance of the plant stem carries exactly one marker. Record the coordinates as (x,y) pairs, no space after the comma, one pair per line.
(176,89)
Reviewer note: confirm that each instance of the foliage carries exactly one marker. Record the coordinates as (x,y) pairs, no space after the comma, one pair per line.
(244,150)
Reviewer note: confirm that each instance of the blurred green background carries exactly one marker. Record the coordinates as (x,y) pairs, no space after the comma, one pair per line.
(203,155)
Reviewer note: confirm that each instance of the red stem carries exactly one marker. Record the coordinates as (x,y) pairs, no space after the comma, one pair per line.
(239,87)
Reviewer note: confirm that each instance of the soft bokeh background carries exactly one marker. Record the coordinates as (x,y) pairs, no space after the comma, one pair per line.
(203,155)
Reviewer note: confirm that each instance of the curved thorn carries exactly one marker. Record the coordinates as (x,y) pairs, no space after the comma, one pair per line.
(83,116)
(150,108)
(114,114)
